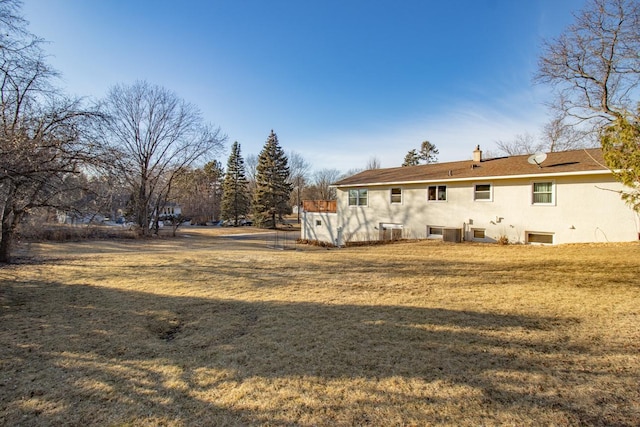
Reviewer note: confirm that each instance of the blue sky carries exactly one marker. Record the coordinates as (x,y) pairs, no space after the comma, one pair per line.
(338,81)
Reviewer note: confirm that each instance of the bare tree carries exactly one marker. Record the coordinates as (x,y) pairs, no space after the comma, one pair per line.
(43,134)
(298,177)
(155,135)
(557,135)
(594,66)
(521,144)
(373,163)
(251,167)
(322,181)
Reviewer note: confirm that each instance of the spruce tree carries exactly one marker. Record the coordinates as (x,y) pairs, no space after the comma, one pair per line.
(428,152)
(412,158)
(272,192)
(235,200)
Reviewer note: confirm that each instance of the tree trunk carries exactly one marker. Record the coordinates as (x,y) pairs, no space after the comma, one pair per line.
(5,245)
(9,222)
(142,208)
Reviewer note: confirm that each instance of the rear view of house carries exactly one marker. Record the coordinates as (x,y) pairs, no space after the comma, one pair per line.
(563,197)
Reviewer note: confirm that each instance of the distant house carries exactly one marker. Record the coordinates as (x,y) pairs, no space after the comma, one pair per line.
(570,197)
(170,209)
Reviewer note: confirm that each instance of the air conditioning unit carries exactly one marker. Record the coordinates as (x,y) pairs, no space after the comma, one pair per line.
(452,235)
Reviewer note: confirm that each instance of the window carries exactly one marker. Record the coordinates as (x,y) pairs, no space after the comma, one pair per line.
(543,193)
(358,197)
(318,223)
(437,192)
(478,233)
(390,231)
(546,238)
(396,195)
(435,231)
(482,192)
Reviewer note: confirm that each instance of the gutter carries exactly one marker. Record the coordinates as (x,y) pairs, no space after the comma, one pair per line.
(477,178)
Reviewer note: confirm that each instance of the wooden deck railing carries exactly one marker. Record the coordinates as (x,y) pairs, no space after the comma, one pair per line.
(319,206)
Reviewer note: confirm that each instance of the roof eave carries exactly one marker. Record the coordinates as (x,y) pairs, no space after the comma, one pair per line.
(478,178)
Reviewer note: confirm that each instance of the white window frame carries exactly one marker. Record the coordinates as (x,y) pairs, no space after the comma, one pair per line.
(391,196)
(475,192)
(359,197)
(553,193)
(437,189)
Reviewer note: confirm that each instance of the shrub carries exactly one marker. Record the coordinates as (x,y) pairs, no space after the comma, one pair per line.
(503,240)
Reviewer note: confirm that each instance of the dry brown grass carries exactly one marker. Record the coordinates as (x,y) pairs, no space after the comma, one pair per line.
(208,330)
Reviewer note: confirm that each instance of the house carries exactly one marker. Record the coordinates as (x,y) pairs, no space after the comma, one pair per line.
(563,197)
(169,210)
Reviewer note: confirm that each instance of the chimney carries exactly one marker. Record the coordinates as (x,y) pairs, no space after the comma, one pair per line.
(477,154)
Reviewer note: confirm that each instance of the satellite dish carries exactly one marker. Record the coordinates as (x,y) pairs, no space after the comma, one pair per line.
(537,159)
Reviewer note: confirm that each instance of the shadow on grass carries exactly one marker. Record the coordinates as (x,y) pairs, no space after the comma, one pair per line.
(81,355)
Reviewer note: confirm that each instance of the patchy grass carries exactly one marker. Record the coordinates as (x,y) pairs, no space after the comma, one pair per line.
(214,330)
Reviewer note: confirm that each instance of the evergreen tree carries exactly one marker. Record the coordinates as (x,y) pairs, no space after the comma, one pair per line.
(272,192)
(428,152)
(412,158)
(235,200)
(214,176)
(621,148)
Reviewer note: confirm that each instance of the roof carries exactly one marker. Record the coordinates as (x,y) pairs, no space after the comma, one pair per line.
(574,162)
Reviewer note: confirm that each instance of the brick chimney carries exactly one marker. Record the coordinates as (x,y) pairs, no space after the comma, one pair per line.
(477,154)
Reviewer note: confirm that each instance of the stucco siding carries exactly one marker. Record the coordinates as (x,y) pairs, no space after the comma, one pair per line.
(583,209)
(321,227)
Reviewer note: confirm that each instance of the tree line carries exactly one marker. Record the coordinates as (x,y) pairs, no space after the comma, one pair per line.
(143,147)
(132,153)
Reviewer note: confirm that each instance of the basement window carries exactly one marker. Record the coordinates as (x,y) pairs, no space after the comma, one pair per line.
(540,238)
(435,231)
(478,233)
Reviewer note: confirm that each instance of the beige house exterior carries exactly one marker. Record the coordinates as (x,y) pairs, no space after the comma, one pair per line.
(570,197)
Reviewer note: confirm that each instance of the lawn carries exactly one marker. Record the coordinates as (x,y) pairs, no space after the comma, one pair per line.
(205,329)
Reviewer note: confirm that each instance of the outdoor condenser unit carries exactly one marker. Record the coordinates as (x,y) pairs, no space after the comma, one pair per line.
(452,235)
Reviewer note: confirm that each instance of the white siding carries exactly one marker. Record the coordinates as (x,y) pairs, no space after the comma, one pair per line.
(321,227)
(585,209)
